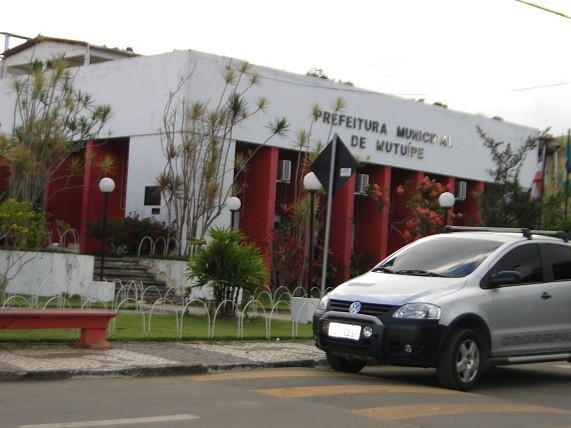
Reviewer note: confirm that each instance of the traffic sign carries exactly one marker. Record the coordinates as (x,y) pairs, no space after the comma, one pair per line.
(344,165)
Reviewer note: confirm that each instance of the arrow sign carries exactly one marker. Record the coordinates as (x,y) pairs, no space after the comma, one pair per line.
(344,165)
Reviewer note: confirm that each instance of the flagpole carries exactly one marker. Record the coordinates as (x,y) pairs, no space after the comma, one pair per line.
(567,168)
(328,216)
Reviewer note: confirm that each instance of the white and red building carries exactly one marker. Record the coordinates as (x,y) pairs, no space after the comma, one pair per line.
(401,139)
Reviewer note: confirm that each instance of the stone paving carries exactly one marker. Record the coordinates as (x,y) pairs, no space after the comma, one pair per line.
(18,361)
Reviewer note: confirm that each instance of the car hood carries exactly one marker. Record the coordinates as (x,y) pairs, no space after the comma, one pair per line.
(393,289)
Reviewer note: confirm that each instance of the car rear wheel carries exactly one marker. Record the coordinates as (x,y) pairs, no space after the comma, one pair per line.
(461,363)
(342,364)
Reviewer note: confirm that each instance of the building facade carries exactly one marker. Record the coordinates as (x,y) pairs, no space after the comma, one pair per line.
(396,140)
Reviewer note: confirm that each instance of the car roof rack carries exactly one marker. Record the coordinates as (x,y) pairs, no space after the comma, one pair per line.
(523,230)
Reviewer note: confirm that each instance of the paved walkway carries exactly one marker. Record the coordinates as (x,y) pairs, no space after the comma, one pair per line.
(51,361)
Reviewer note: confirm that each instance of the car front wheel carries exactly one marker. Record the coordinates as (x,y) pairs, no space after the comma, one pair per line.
(461,363)
(342,364)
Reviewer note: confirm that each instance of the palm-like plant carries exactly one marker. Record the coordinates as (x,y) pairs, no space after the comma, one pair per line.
(230,265)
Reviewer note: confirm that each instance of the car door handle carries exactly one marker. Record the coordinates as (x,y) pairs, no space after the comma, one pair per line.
(546,295)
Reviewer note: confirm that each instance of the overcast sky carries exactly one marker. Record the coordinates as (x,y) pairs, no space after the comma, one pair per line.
(494,57)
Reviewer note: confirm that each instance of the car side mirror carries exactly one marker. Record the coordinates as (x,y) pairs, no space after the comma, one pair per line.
(505,277)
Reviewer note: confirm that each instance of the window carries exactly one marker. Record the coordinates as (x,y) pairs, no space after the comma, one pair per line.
(559,261)
(449,257)
(524,259)
(152,195)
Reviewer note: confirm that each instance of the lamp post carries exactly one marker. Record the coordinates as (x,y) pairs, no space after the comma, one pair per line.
(446,201)
(312,185)
(106,185)
(234,205)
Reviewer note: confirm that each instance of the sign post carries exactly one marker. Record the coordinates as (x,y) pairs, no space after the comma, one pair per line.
(333,167)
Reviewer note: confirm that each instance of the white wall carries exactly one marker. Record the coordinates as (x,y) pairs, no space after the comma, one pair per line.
(45,273)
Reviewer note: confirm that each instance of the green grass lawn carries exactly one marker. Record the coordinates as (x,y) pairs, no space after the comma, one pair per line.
(140,326)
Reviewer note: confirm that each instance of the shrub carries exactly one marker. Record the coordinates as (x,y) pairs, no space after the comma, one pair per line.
(125,234)
(229,265)
(21,225)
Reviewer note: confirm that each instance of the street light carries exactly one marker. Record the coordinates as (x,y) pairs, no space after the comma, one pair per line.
(106,185)
(234,205)
(312,185)
(446,201)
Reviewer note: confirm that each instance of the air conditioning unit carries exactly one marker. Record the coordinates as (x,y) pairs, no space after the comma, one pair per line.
(461,190)
(362,184)
(284,171)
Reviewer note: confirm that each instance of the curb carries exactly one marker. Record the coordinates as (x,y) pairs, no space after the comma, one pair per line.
(172,370)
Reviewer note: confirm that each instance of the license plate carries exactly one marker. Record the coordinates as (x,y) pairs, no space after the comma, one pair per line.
(344,331)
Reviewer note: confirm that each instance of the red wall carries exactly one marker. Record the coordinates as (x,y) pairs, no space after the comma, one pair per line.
(82,201)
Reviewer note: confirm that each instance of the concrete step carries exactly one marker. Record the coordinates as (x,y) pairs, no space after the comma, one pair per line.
(127,269)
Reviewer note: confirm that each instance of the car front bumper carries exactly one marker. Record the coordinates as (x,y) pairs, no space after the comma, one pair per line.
(395,342)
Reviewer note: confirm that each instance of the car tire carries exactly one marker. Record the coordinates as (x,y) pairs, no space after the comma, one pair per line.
(342,364)
(462,360)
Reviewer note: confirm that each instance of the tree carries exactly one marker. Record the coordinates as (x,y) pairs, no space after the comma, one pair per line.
(317,72)
(197,138)
(52,121)
(230,266)
(504,202)
(426,214)
(287,240)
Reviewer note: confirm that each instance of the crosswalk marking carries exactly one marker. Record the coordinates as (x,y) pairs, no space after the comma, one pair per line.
(115,422)
(309,391)
(424,410)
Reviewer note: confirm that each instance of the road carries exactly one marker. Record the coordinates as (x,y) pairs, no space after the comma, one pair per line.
(523,396)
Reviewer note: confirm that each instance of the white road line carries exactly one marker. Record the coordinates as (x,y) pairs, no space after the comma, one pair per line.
(115,422)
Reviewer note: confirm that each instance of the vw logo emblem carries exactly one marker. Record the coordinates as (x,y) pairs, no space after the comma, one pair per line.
(355,307)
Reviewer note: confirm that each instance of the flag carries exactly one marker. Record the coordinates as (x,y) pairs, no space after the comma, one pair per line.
(537,186)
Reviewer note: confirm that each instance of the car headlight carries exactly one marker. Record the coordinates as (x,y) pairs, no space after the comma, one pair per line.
(419,311)
(323,303)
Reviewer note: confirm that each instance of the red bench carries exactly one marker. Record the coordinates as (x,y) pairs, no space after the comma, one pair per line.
(93,323)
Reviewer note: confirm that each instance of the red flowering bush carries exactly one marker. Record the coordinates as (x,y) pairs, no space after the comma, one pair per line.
(426,214)
(127,233)
(380,197)
(287,250)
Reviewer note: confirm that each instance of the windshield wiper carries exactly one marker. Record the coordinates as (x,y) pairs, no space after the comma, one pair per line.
(417,272)
(383,269)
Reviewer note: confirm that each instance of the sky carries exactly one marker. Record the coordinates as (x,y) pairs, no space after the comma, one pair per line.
(500,58)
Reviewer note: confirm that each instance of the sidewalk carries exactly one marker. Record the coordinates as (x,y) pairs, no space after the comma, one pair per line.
(52,361)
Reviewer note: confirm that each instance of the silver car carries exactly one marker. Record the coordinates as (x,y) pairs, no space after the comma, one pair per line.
(457,302)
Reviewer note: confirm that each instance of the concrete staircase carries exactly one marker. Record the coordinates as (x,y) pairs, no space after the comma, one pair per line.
(128,269)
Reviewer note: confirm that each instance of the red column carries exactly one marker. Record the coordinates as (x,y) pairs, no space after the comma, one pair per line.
(372,226)
(259,198)
(470,208)
(450,185)
(85,202)
(341,230)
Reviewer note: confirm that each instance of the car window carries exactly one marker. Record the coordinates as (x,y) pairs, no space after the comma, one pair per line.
(524,259)
(559,261)
(446,257)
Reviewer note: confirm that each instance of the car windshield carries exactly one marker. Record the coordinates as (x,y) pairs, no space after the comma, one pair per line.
(451,258)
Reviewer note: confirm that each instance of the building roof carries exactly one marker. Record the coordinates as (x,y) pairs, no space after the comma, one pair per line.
(16,61)
(32,41)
